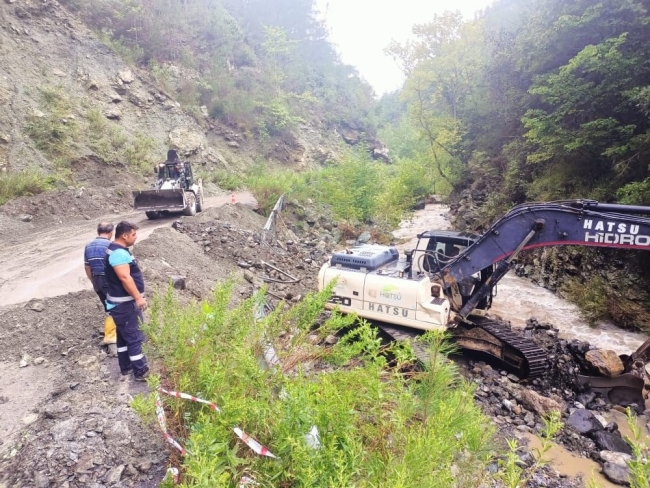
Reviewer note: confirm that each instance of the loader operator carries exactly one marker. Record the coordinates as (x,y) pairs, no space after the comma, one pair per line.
(94,258)
(176,167)
(125,301)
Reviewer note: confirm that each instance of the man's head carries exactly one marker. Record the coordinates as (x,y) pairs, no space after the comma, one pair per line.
(172,155)
(105,229)
(125,233)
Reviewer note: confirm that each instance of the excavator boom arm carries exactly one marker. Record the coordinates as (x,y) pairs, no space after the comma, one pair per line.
(528,226)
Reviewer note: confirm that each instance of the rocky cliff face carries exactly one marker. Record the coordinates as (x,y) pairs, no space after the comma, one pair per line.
(66,96)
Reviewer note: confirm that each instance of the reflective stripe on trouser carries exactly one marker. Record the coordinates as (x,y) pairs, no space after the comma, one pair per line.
(127,317)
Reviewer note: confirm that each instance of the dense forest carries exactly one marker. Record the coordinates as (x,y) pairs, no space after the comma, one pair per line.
(532,101)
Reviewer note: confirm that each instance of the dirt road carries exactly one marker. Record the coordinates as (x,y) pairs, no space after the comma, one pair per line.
(50,263)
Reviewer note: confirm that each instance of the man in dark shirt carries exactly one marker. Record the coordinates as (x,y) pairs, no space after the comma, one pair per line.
(94,260)
(125,301)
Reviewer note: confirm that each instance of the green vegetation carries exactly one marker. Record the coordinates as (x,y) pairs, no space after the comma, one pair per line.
(512,474)
(262,66)
(531,101)
(109,141)
(357,189)
(55,130)
(375,428)
(59,133)
(590,296)
(29,182)
(639,466)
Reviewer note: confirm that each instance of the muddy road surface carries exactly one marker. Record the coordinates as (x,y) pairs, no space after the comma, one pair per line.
(49,263)
(65,415)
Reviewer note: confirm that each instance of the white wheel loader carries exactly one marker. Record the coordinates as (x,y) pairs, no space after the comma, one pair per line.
(175,190)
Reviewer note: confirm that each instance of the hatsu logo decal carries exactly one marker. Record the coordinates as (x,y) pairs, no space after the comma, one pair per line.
(614,233)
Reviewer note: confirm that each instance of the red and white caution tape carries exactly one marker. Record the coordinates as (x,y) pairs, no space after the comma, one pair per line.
(178,394)
(249,441)
(253,444)
(163,425)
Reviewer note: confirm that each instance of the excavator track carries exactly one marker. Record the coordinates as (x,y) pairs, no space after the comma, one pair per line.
(488,336)
(398,333)
(503,343)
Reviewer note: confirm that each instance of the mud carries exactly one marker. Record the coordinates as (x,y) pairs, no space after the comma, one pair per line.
(64,408)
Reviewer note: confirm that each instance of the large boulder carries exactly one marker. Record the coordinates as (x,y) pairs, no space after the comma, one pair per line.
(538,403)
(610,441)
(606,362)
(186,141)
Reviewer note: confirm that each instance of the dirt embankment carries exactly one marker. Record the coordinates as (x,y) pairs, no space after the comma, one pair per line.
(64,407)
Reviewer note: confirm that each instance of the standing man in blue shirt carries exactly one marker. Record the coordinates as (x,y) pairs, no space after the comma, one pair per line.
(94,259)
(125,301)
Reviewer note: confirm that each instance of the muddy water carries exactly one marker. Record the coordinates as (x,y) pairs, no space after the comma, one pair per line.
(517,300)
(50,263)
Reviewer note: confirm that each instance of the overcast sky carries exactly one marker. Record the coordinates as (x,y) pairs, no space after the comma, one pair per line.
(361,29)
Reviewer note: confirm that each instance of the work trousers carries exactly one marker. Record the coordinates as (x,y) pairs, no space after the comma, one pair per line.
(127,317)
(100,286)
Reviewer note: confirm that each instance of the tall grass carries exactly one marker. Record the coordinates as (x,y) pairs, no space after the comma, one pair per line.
(55,131)
(376,428)
(30,182)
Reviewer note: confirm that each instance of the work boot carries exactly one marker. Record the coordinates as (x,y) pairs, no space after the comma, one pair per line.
(142,376)
(110,331)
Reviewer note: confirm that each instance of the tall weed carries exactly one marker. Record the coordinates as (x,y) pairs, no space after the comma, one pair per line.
(373,431)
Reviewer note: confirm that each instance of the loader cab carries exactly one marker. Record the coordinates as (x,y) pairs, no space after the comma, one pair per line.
(176,171)
(436,249)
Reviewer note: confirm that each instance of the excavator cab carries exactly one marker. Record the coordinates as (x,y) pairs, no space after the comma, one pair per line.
(436,249)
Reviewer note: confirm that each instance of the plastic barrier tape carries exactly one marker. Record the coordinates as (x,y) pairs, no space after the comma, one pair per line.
(249,441)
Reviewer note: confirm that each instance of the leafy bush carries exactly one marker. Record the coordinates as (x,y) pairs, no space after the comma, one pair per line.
(373,429)
(637,193)
(28,182)
(277,118)
(268,185)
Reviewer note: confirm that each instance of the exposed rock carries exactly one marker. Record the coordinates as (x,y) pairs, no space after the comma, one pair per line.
(538,403)
(88,362)
(609,441)
(364,238)
(616,474)
(178,282)
(606,362)
(126,76)
(113,114)
(584,422)
(619,458)
(114,474)
(186,141)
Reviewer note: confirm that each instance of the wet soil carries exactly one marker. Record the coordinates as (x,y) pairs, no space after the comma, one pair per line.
(64,408)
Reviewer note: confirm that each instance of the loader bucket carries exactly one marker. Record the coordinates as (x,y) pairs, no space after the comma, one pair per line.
(156,200)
